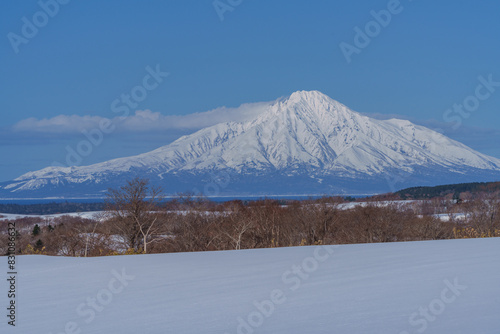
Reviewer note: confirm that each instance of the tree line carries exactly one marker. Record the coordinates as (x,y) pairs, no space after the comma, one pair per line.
(455,190)
(137,220)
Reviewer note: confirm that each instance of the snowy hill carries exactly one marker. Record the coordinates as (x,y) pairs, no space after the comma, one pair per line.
(432,287)
(306,141)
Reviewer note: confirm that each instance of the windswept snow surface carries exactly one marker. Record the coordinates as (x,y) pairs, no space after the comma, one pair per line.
(414,287)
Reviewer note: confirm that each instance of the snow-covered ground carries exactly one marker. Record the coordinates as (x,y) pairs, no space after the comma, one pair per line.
(414,287)
(397,203)
(87,215)
(446,217)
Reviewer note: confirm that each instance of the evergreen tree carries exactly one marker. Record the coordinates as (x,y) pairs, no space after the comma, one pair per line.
(39,245)
(456,197)
(36,230)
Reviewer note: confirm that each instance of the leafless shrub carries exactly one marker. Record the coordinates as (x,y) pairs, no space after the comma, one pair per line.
(134,211)
(482,213)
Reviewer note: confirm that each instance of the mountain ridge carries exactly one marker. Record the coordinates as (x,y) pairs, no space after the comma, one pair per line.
(307,136)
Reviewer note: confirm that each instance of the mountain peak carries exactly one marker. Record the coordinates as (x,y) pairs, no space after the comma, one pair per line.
(312,98)
(314,106)
(307,95)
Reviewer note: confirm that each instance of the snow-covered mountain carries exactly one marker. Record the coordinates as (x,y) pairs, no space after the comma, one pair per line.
(306,143)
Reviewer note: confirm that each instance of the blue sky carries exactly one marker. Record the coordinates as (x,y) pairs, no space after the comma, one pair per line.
(64,77)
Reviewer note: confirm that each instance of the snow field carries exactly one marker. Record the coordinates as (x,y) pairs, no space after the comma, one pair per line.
(415,287)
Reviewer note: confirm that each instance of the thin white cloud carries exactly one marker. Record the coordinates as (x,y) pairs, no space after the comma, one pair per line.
(141,121)
(58,124)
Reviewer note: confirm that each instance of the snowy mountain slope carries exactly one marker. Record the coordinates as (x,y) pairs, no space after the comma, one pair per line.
(432,287)
(306,134)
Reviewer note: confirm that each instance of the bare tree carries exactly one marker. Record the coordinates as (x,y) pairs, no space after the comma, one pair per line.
(234,226)
(483,214)
(134,212)
(89,236)
(195,231)
(238,229)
